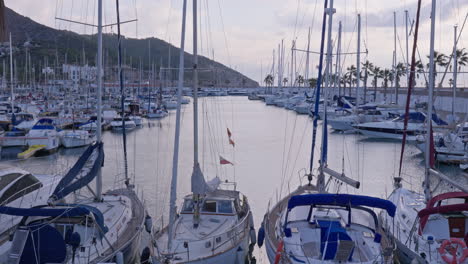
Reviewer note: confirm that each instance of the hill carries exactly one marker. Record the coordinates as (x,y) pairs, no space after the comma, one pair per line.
(52,47)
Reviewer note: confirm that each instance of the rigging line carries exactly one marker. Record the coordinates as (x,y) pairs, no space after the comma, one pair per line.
(291,143)
(168,20)
(295,23)
(224,33)
(122,94)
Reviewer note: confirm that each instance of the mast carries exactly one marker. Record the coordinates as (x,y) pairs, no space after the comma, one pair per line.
(407,49)
(99,96)
(306,73)
(395,59)
(358,62)
(320,178)
(280,75)
(427,190)
(292,63)
(175,158)
(338,60)
(122,94)
(455,70)
(11,77)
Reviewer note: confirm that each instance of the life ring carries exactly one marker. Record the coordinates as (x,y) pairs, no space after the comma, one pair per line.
(279,251)
(449,256)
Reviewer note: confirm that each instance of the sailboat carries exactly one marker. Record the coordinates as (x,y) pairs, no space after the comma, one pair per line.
(214,224)
(312,226)
(427,228)
(74,227)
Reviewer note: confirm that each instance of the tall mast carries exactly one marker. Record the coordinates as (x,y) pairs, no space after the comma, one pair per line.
(99,95)
(358,62)
(292,63)
(395,58)
(306,73)
(407,49)
(11,77)
(338,60)
(196,165)
(280,75)
(426,183)
(175,158)
(321,177)
(122,95)
(455,69)
(317,97)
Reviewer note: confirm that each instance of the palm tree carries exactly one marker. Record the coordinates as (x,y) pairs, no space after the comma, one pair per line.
(440,60)
(400,71)
(462,58)
(367,68)
(300,80)
(285,81)
(351,76)
(269,80)
(387,75)
(312,82)
(376,72)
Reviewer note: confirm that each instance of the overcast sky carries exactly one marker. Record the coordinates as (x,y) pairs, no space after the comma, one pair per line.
(243,33)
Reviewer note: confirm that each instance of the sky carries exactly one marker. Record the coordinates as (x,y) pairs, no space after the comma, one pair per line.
(242,34)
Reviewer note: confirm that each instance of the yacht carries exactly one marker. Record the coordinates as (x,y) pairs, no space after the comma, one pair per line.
(44,132)
(77,138)
(14,138)
(346,122)
(117,124)
(393,129)
(20,189)
(307,227)
(157,113)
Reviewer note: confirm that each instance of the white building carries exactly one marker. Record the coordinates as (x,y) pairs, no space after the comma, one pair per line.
(77,73)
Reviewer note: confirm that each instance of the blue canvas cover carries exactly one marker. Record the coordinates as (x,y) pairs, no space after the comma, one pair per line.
(70,182)
(341,200)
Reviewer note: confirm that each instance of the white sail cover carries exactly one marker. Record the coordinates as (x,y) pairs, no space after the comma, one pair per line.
(199,185)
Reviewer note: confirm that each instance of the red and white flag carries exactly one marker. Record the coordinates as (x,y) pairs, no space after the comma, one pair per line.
(224,161)
(230,139)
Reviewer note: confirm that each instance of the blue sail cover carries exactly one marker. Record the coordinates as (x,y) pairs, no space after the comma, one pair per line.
(341,200)
(73,211)
(70,182)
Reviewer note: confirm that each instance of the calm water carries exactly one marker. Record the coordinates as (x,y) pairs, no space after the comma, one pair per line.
(271,154)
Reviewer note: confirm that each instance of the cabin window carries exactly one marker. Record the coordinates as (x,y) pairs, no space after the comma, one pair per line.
(209,207)
(187,207)
(225,207)
(20,188)
(5,180)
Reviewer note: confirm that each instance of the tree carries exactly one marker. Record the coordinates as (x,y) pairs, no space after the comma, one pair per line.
(285,81)
(387,75)
(300,80)
(440,60)
(366,68)
(376,73)
(269,79)
(400,71)
(312,82)
(351,76)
